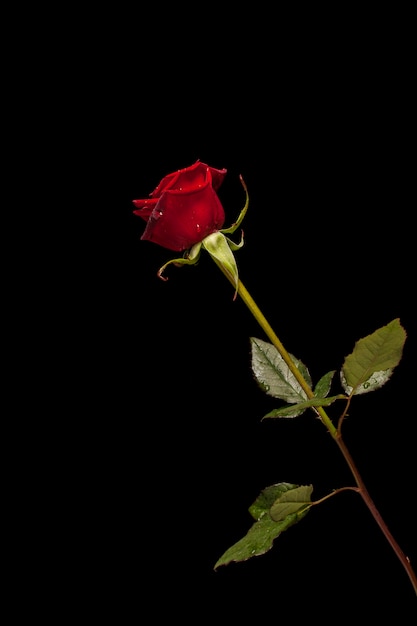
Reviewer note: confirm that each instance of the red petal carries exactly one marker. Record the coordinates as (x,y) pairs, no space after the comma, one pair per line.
(145,208)
(179,220)
(190,178)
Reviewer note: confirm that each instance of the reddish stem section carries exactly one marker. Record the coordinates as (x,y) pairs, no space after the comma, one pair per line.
(404,560)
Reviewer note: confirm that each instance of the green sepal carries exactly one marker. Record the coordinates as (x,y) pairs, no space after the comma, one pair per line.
(235,246)
(190,258)
(235,225)
(218,247)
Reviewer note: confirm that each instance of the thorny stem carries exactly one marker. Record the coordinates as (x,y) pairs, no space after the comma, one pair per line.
(335,433)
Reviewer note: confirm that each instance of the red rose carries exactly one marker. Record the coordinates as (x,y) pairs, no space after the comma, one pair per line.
(184,208)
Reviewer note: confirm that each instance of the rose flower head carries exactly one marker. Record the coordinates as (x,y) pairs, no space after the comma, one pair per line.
(184,208)
(184,214)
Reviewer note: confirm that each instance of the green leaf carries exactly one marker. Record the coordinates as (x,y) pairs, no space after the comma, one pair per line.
(290,502)
(267,497)
(293,410)
(373,359)
(288,410)
(321,390)
(373,383)
(324,384)
(273,374)
(261,535)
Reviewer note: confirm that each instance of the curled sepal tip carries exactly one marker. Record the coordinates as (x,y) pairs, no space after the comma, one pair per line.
(235,225)
(190,258)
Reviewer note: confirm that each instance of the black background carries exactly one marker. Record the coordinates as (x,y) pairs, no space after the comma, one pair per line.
(158,448)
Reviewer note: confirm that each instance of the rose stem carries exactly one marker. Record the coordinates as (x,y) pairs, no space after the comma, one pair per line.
(337,436)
